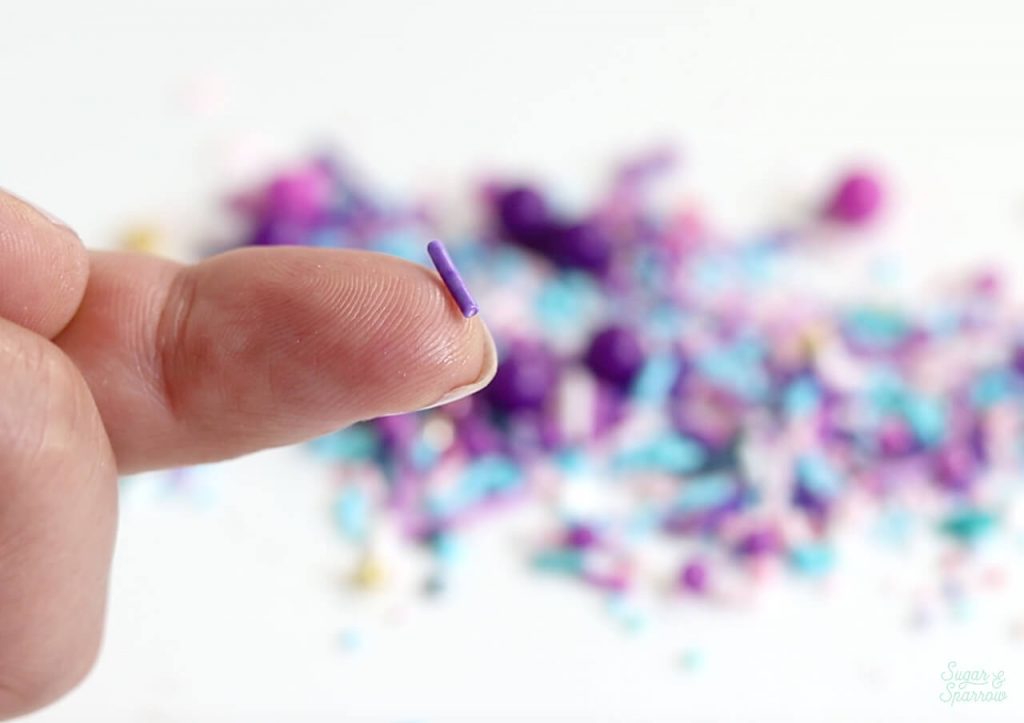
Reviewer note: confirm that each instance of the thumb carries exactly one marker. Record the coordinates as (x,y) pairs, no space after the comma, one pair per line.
(58,506)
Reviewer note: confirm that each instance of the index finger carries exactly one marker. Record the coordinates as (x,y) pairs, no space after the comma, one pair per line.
(263,347)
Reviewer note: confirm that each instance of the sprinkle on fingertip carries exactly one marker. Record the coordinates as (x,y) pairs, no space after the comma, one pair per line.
(452,279)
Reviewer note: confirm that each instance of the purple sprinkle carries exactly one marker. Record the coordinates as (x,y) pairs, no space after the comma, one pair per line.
(856,199)
(581,537)
(694,577)
(452,279)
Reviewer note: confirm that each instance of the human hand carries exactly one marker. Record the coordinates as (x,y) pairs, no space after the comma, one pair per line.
(113,363)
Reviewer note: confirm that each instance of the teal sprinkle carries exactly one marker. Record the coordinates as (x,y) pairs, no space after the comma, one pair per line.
(812,559)
(887,392)
(424,455)
(564,302)
(490,474)
(447,549)
(710,274)
(506,264)
(706,492)
(877,328)
(481,478)
(991,387)
(927,417)
(405,245)
(670,453)
(352,514)
(467,253)
(668,323)
(643,523)
(572,461)
(654,383)
(969,524)
(757,262)
(627,614)
(737,367)
(327,238)
(819,475)
(801,398)
(566,562)
(357,443)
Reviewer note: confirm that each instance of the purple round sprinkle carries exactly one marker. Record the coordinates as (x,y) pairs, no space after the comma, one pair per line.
(615,355)
(760,542)
(694,577)
(581,537)
(522,214)
(525,379)
(581,246)
(856,199)
(452,279)
(302,195)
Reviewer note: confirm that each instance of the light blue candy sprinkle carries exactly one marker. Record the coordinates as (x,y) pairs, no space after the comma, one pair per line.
(812,559)
(567,562)
(627,614)
(737,367)
(357,443)
(424,455)
(818,474)
(991,387)
(707,492)
(670,453)
(565,302)
(877,328)
(403,244)
(447,549)
(573,462)
(490,474)
(654,383)
(927,417)
(327,238)
(482,477)
(969,524)
(352,513)
(802,397)
(758,262)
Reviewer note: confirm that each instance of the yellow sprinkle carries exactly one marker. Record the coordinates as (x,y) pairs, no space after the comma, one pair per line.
(369,573)
(141,238)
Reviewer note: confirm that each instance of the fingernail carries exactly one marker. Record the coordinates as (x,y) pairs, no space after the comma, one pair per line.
(41,211)
(487,370)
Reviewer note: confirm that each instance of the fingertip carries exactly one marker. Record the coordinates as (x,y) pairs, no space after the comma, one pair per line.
(420,351)
(45,268)
(480,348)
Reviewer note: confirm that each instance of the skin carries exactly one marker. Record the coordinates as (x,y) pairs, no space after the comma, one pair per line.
(115,363)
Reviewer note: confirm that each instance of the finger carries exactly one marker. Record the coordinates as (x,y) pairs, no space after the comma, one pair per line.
(43,268)
(262,347)
(57,516)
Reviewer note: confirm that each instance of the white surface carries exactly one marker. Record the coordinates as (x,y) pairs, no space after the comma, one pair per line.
(233,614)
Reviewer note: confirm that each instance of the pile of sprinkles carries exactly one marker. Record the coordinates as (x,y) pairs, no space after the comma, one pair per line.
(664,386)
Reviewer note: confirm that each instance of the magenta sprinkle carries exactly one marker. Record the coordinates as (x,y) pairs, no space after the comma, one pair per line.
(452,279)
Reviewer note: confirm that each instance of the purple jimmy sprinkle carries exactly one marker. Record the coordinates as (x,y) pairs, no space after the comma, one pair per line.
(452,279)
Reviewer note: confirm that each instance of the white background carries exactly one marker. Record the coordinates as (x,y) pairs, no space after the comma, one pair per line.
(227,600)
